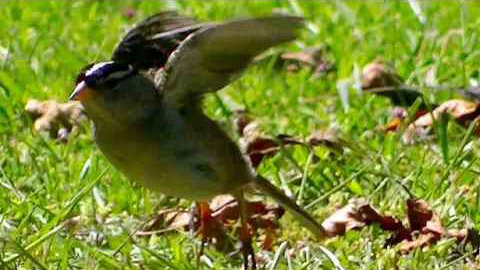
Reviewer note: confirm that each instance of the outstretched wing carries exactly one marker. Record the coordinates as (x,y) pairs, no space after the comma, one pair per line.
(149,44)
(210,58)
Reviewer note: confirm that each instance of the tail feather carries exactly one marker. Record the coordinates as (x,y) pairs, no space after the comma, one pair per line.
(304,217)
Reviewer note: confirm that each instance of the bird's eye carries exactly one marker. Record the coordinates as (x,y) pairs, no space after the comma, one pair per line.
(91,80)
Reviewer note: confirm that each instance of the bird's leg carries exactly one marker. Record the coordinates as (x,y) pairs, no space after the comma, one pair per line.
(192,223)
(205,219)
(246,234)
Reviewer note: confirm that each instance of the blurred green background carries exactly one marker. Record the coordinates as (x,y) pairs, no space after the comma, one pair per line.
(58,212)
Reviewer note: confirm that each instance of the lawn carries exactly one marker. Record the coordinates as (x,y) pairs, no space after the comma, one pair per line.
(63,207)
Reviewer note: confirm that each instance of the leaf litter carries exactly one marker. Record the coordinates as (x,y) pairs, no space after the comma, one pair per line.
(314,58)
(225,212)
(380,79)
(257,145)
(424,225)
(55,118)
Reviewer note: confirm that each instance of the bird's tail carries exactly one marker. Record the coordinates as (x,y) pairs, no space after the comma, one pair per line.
(287,203)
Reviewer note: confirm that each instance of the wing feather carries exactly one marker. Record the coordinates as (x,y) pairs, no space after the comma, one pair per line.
(212,57)
(149,44)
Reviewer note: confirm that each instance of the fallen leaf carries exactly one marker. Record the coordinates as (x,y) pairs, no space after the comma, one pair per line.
(345,219)
(327,138)
(72,223)
(464,112)
(240,120)
(58,119)
(168,220)
(261,216)
(420,241)
(256,145)
(425,227)
(356,215)
(421,217)
(378,75)
(226,208)
(399,115)
(380,79)
(460,234)
(466,236)
(224,216)
(314,58)
(268,239)
(393,125)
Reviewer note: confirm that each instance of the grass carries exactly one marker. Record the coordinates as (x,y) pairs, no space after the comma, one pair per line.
(62,207)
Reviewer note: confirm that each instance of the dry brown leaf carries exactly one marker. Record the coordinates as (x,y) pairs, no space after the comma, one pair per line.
(327,138)
(257,145)
(226,209)
(168,220)
(224,215)
(309,56)
(356,215)
(425,226)
(399,115)
(380,79)
(465,236)
(268,239)
(459,234)
(58,119)
(393,125)
(312,57)
(345,219)
(464,112)
(378,75)
(420,241)
(421,217)
(240,120)
(424,229)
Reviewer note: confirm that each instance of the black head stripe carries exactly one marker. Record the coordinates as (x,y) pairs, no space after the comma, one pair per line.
(108,73)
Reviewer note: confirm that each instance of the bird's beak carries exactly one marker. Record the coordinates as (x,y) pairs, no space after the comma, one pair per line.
(82,92)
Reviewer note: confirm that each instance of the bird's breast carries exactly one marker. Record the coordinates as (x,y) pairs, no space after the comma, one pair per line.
(169,161)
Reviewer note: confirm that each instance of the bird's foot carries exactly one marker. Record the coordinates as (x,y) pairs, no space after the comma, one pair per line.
(246,248)
(208,226)
(211,230)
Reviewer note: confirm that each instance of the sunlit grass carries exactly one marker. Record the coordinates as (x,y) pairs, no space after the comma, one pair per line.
(57,211)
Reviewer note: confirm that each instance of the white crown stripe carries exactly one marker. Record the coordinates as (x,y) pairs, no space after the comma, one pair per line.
(96,67)
(106,75)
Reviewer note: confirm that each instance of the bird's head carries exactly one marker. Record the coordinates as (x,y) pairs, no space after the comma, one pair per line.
(114,92)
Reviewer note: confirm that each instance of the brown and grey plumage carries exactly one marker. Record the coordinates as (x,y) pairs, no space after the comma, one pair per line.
(155,131)
(150,43)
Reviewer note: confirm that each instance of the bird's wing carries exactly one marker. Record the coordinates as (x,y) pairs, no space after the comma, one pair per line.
(210,58)
(149,44)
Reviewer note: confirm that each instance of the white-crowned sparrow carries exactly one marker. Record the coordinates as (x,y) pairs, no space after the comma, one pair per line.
(146,105)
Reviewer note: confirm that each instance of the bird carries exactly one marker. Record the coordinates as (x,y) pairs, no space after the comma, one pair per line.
(146,105)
